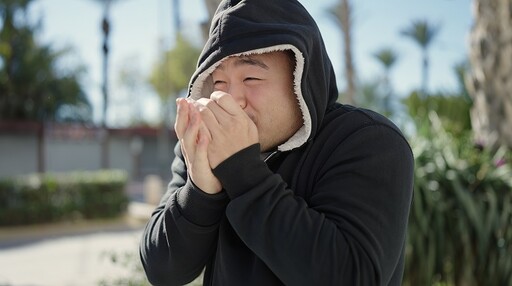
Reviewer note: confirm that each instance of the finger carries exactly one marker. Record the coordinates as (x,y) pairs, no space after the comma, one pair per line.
(181,117)
(203,139)
(203,130)
(221,116)
(226,102)
(211,114)
(190,136)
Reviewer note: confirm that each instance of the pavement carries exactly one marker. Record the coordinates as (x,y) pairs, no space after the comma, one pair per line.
(73,254)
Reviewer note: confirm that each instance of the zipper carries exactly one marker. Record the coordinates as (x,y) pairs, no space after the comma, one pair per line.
(271,156)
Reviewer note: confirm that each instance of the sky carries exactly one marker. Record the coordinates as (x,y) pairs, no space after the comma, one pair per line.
(140,29)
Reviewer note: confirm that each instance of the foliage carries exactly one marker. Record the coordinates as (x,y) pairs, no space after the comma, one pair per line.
(371,96)
(453,109)
(459,229)
(378,96)
(422,33)
(174,69)
(31,85)
(54,197)
(131,261)
(461,70)
(381,94)
(387,57)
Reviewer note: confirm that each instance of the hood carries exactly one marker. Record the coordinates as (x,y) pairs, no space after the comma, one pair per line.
(242,27)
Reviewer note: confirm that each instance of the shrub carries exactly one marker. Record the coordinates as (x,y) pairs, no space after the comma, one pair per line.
(45,198)
(460,224)
(453,109)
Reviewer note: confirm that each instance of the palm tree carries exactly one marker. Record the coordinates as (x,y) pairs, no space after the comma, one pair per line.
(388,58)
(490,80)
(423,34)
(342,12)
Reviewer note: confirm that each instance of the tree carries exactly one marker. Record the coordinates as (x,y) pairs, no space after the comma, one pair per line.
(423,34)
(169,77)
(370,95)
(490,81)
(132,81)
(105,29)
(32,86)
(388,58)
(172,72)
(462,70)
(342,12)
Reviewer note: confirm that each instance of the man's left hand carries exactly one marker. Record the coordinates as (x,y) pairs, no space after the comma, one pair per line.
(230,127)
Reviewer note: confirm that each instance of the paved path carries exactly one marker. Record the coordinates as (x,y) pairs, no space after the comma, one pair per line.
(68,254)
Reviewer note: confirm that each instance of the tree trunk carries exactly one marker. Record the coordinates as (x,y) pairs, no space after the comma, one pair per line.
(105,26)
(490,83)
(346,27)
(424,75)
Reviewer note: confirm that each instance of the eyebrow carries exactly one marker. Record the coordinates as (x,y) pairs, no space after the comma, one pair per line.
(245,60)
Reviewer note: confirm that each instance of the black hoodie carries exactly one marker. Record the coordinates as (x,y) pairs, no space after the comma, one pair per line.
(329,207)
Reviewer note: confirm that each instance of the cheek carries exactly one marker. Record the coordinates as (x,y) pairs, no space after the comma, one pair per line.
(273,104)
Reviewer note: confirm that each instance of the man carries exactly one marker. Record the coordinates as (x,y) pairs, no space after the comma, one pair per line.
(274,183)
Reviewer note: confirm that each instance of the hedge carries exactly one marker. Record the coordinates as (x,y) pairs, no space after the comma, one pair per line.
(47,198)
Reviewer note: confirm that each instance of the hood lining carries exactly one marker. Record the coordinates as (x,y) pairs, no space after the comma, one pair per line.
(203,86)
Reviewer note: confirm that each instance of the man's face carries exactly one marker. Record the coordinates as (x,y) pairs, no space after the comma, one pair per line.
(263,87)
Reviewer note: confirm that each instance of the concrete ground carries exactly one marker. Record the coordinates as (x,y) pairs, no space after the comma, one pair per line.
(71,254)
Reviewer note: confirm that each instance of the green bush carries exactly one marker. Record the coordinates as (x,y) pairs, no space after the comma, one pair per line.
(460,227)
(55,197)
(453,109)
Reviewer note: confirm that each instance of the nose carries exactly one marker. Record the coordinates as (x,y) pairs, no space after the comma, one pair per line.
(237,91)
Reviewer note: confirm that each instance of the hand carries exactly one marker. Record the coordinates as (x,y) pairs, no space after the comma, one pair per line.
(230,127)
(194,139)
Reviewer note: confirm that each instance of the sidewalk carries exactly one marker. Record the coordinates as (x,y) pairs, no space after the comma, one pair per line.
(70,254)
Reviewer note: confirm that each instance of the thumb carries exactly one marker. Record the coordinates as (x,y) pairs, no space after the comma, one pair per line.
(227,102)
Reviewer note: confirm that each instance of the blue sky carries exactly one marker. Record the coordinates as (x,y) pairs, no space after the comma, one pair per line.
(141,28)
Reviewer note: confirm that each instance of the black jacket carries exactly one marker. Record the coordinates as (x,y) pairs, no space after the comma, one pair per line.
(329,207)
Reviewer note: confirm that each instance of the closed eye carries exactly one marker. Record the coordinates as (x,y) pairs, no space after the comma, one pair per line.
(218,82)
(251,79)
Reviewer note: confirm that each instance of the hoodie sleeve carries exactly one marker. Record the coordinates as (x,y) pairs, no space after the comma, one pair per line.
(180,236)
(351,231)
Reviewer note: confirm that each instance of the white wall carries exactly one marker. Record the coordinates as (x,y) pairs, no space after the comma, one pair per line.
(18,155)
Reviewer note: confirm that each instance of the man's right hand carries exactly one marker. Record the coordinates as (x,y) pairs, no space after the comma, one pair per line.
(194,139)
